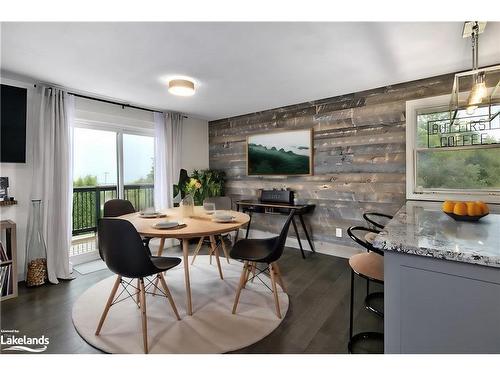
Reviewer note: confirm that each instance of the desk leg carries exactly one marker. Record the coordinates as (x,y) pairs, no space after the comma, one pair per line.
(185,253)
(307,233)
(298,237)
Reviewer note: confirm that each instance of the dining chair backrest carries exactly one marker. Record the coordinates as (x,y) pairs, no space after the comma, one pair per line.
(221,203)
(121,247)
(279,245)
(117,207)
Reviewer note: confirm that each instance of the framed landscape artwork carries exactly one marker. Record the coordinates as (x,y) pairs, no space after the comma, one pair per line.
(280,153)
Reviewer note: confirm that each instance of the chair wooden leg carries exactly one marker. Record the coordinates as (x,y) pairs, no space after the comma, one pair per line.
(278,275)
(254,271)
(159,253)
(169,296)
(108,304)
(144,316)
(138,295)
(197,250)
(223,244)
(240,286)
(247,274)
(275,290)
(216,252)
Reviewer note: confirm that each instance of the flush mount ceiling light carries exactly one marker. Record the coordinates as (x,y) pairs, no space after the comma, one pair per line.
(181,87)
(479,87)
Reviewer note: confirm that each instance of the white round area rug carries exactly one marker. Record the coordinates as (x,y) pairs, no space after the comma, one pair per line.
(211,329)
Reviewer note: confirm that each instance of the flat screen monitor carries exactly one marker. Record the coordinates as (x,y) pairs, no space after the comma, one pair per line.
(13,124)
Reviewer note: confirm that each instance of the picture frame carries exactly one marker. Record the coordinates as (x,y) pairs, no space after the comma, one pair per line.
(280,153)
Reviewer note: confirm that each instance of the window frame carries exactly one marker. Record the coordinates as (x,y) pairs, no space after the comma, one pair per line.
(434,104)
(120,130)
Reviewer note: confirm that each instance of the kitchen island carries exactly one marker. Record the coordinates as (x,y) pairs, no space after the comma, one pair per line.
(441,282)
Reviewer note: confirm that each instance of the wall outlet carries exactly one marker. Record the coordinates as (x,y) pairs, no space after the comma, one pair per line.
(338,232)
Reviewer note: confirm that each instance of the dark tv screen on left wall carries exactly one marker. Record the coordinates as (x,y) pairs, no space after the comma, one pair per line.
(13,124)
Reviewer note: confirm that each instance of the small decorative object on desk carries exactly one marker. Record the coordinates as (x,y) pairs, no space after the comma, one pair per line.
(465,211)
(36,252)
(187,206)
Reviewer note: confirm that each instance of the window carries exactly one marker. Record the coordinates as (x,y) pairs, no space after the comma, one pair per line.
(106,165)
(138,167)
(458,161)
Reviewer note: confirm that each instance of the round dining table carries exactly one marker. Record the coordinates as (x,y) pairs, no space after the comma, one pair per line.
(199,224)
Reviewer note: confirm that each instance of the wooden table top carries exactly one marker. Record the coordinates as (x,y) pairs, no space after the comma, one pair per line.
(199,225)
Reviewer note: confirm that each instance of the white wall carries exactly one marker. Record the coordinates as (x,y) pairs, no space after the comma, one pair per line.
(194,151)
(20,176)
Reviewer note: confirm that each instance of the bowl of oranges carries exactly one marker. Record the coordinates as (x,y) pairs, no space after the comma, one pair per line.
(465,211)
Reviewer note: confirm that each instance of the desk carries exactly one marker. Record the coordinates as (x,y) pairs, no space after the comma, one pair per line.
(254,206)
(200,225)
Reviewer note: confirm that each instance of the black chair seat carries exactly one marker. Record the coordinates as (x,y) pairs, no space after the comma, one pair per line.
(254,250)
(165,263)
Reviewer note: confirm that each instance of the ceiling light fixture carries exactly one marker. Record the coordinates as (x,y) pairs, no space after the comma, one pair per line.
(479,87)
(181,87)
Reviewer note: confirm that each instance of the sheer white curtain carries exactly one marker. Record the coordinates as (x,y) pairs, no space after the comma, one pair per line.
(168,140)
(52,176)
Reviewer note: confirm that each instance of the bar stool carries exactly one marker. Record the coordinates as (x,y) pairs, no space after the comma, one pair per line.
(369,266)
(375,224)
(373,301)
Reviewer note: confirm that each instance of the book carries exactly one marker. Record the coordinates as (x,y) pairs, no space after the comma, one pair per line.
(3,254)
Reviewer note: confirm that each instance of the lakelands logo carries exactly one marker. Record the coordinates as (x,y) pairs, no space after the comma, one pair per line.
(12,341)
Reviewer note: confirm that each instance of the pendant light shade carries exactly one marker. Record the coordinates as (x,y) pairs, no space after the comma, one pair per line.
(181,87)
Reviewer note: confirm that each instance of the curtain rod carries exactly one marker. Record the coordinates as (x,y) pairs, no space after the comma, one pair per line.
(123,105)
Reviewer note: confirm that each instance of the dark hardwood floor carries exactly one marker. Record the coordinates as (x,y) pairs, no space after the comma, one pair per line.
(317,320)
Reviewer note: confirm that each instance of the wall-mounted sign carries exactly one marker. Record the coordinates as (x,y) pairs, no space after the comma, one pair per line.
(462,132)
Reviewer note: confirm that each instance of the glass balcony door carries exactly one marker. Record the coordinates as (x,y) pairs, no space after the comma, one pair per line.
(138,170)
(107,164)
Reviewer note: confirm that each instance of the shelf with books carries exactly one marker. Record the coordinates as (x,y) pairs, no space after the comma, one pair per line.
(8,260)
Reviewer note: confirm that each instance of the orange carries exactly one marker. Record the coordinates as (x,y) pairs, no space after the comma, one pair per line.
(473,209)
(448,206)
(460,209)
(484,207)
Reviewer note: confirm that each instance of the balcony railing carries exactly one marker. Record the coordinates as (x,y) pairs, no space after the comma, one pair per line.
(88,203)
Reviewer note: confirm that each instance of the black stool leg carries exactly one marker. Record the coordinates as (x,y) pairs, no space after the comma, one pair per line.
(298,238)
(351,305)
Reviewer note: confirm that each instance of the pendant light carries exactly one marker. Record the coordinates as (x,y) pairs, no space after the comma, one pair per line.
(479,87)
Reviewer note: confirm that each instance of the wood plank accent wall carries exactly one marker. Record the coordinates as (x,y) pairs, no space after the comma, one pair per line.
(359,154)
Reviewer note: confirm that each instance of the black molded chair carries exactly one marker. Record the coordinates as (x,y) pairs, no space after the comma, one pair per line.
(126,255)
(369,266)
(372,222)
(268,250)
(119,207)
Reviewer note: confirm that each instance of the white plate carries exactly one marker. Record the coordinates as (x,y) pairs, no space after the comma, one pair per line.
(150,215)
(223,220)
(166,224)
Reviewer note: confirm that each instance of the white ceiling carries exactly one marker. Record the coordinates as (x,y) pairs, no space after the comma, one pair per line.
(238,67)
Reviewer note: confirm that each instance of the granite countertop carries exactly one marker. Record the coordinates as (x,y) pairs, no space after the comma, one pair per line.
(421,228)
